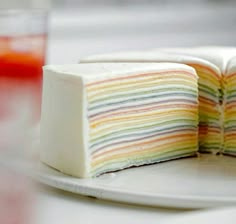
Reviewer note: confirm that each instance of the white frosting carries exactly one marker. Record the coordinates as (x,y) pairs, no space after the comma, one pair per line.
(64,123)
(100,70)
(219,56)
(151,56)
(231,67)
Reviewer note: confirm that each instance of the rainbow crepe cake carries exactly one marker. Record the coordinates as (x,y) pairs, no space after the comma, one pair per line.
(216,68)
(102,117)
(115,111)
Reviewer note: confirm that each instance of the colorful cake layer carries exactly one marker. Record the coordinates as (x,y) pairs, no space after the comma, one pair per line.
(102,117)
(210,121)
(230,108)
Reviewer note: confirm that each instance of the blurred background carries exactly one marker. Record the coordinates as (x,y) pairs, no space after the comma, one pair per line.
(98,26)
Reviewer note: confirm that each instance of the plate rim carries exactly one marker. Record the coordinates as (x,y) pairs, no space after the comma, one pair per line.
(127,196)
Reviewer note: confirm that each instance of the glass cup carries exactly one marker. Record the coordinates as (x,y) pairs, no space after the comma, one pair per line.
(23,38)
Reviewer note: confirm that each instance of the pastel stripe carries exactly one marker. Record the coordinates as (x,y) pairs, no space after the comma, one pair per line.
(135,116)
(230,114)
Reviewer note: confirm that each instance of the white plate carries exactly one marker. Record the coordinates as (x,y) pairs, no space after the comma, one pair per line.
(207,181)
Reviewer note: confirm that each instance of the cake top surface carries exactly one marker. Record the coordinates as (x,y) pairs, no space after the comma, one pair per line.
(231,67)
(94,70)
(149,56)
(220,56)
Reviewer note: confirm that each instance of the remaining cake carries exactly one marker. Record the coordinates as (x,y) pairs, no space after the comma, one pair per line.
(230,108)
(210,94)
(103,117)
(223,58)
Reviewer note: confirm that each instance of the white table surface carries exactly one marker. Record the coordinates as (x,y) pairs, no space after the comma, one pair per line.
(98,35)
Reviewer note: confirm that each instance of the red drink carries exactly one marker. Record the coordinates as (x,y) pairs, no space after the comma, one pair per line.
(21,61)
(23,35)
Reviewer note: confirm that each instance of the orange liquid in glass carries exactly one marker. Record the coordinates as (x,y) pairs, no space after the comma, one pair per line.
(21,61)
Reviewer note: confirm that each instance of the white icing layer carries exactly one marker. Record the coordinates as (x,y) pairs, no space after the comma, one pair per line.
(63,133)
(151,56)
(220,56)
(231,67)
(99,71)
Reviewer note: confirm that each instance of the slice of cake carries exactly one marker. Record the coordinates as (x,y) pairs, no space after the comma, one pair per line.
(210,109)
(102,117)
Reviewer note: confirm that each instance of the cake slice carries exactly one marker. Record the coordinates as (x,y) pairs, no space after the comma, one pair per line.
(210,96)
(98,118)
